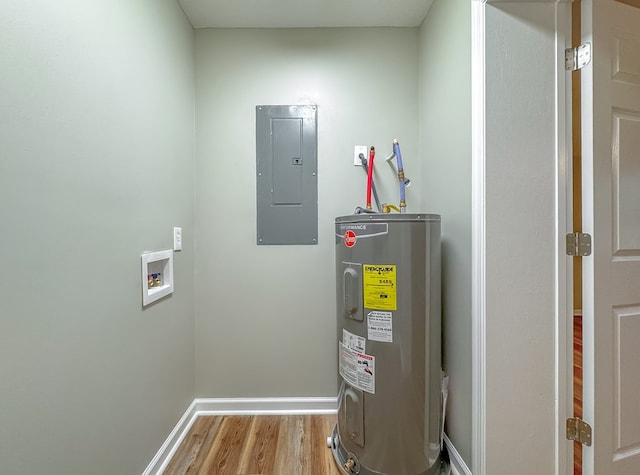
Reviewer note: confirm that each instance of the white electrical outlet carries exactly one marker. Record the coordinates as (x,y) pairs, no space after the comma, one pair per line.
(357,150)
(177,239)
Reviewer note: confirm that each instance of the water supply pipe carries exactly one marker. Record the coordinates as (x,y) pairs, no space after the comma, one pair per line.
(365,167)
(386,208)
(396,151)
(389,159)
(372,154)
(361,210)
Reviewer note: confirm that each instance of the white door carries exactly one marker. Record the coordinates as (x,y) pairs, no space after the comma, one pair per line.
(611,214)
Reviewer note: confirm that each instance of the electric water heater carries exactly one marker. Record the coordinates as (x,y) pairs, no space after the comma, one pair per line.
(389,344)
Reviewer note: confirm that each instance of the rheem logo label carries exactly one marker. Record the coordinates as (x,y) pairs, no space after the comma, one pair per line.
(350,238)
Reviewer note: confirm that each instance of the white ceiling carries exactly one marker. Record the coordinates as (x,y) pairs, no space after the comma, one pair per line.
(304,13)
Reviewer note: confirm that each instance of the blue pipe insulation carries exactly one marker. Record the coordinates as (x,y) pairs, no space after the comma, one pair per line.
(396,152)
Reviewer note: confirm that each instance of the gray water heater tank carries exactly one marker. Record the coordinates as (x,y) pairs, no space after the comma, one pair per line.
(389,344)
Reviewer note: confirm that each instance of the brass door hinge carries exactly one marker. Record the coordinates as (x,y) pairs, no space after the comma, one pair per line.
(578,244)
(579,430)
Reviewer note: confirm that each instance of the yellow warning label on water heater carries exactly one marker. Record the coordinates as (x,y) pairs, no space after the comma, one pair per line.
(379,286)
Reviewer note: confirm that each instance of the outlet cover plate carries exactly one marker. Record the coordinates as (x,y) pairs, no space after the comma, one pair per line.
(357,150)
(177,239)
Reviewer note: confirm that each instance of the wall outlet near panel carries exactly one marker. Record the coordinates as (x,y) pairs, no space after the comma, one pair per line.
(357,150)
(177,239)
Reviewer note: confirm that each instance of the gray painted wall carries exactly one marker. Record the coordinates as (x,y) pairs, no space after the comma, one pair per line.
(445,152)
(265,315)
(96,166)
(97,138)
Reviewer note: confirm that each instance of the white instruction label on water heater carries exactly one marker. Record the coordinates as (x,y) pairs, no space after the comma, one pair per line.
(353,342)
(380,326)
(358,369)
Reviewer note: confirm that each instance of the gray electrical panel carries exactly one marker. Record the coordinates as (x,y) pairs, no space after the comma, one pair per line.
(286,174)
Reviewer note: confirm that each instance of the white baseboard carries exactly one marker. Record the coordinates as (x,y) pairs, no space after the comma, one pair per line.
(258,406)
(177,435)
(458,466)
(235,406)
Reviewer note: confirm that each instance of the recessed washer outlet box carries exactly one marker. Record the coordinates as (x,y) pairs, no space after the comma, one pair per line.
(157,275)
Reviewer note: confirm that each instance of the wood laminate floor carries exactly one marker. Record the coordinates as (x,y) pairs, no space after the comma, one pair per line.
(243,445)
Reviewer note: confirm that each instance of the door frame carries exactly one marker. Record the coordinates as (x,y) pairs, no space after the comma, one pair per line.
(478,219)
(562,397)
(564,272)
